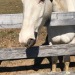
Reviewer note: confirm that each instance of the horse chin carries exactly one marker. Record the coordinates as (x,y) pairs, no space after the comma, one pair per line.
(30,43)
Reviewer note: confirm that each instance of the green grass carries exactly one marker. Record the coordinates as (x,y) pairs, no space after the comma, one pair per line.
(10,6)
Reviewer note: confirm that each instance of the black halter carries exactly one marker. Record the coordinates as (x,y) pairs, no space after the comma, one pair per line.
(44,0)
(51,0)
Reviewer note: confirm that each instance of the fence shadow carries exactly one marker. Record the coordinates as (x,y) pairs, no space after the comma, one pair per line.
(32,52)
(23,68)
(35,67)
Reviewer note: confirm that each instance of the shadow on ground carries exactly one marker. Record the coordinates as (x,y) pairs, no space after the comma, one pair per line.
(35,67)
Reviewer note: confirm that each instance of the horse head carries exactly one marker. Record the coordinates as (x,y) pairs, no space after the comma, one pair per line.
(35,13)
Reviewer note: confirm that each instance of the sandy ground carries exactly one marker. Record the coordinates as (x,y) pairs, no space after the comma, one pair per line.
(10,6)
(9,38)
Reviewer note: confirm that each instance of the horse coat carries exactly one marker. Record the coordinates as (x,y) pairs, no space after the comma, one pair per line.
(64,34)
(36,13)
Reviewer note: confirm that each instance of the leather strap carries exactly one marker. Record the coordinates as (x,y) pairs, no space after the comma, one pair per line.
(51,0)
(44,0)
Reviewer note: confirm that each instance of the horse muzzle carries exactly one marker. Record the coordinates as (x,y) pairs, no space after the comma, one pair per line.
(30,43)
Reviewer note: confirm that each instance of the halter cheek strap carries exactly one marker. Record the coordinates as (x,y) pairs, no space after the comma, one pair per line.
(51,0)
(44,0)
(41,1)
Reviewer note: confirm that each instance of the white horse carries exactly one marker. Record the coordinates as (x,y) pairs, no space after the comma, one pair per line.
(64,5)
(67,34)
(36,12)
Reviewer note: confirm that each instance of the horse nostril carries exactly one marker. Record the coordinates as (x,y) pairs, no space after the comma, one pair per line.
(30,42)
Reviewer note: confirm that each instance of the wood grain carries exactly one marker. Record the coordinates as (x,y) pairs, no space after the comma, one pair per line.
(62,18)
(39,51)
(59,73)
(11,20)
(57,19)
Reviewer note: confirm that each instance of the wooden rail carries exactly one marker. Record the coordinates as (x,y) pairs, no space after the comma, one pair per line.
(11,20)
(59,73)
(62,19)
(57,19)
(40,51)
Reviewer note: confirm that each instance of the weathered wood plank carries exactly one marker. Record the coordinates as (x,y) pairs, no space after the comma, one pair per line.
(59,73)
(62,19)
(11,20)
(57,19)
(42,51)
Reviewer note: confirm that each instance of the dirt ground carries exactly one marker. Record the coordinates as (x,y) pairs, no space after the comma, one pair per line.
(9,38)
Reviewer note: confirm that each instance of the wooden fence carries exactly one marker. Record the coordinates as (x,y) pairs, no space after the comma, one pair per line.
(57,19)
(39,51)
